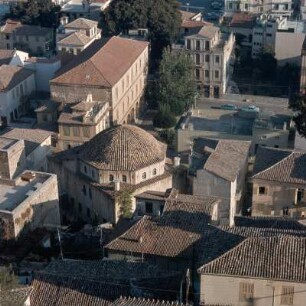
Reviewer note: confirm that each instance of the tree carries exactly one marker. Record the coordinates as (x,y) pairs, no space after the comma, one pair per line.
(267,64)
(298,105)
(161,17)
(164,118)
(124,199)
(35,12)
(177,85)
(8,280)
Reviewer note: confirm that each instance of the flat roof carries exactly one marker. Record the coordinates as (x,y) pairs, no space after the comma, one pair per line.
(12,196)
(6,143)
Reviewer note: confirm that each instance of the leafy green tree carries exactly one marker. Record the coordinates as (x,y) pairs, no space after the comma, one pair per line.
(164,118)
(124,199)
(177,84)
(298,105)
(161,17)
(35,12)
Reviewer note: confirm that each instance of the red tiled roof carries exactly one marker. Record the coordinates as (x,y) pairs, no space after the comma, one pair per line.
(102,64)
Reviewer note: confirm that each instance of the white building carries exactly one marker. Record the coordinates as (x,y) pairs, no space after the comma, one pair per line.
(218,168)
(16,84)
(211,52)
(259,271)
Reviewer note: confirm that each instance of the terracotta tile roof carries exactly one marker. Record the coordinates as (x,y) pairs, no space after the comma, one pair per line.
(172,235)
(10,26)
(277,258)
(14,297)
(32,30)
(283,166)
(47,106)
(152,195)
(128,301)
(243,20)
(10,76)
(219,239)
(81,23)
(6,56)
(59,290)
(32,137)
(187,15)
(124,147)
(102,63)
(223,158)
(76,39)
(194,24)
(208,31)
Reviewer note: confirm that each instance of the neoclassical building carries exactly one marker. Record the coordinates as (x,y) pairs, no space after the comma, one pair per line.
(113,71)
(92,175)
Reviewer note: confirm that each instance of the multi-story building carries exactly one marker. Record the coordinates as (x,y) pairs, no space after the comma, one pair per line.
(275,7)
(102,71)
(76,36)
(16,84)
(303,69)
(218,169)
(211,52)
(35,40)
(80,122)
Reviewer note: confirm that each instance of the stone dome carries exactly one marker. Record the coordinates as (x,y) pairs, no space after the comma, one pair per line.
(123,148)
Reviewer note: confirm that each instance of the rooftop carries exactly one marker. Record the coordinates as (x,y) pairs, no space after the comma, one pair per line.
(207,31)
(6,143)
(11,196)
(124,147)
(76,39)
(11,76)
(81,23)
(223,158)
(187,15)
(243,20)
(277,258)
(32,137)
(282,166)
(92,67)
(6,56)
(181,225)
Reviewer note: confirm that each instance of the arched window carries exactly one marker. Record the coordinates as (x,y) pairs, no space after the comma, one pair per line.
(85,169)
(154,171)
(84,190)
(124,178)
(111,178)
(144,175)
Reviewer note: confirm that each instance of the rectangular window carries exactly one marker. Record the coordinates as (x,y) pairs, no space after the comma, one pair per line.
(246,292)
(206,73)
(269,35)
(198,45)
(80,208)
(206,45)
(216,74)
(217,59)
(66,130)
(262,190)
(299,195)
(76,131)
(197,74)
(86,131)
(198,59)
(207,58)
(287,295)
(149,207)
(88,212)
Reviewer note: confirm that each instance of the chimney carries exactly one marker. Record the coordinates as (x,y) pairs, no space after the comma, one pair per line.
(176,161)
(89,98)
(117,185)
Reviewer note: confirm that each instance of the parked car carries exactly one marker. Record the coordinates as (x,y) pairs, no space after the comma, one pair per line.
(250,108)
(228,107)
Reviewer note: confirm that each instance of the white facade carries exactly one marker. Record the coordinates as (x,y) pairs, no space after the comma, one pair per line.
(226,290)
(11,104)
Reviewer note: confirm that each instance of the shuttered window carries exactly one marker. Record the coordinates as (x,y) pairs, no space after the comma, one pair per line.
(287,296)
(246,292)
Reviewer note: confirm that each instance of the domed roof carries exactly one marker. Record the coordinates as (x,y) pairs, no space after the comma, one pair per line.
(123,148)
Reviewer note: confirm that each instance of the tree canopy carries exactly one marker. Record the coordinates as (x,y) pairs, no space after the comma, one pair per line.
(267,64)
(161,17)
(35,12)
(298,105)
(177,84)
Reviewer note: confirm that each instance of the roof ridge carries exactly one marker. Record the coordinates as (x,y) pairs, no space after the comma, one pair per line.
(272,166)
